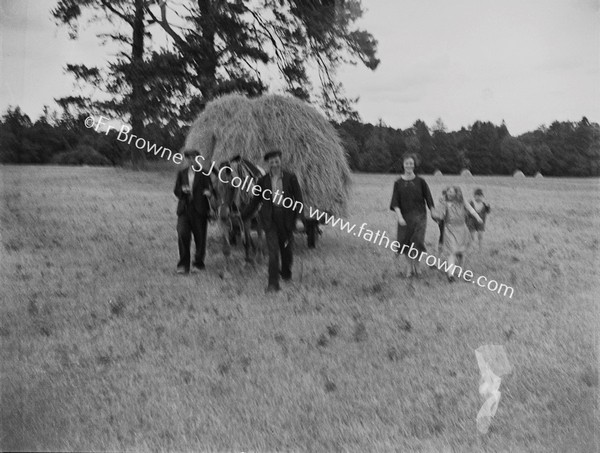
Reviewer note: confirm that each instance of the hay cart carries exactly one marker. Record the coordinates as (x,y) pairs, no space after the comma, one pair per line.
(311,148)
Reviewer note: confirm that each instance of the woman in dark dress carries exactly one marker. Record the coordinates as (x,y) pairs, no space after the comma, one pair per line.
(409,197)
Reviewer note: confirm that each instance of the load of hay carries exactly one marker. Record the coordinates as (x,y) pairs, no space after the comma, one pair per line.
(466,172)
(539,175)
(518,174)
(310,146)
(437,173)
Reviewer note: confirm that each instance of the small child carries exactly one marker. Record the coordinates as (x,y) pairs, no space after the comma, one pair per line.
(441,223)
(483,209)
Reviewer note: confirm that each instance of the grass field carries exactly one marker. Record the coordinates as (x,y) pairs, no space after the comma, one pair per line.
(104,347)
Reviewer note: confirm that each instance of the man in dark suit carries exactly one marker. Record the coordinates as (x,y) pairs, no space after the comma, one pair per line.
(281,200)
(192,188)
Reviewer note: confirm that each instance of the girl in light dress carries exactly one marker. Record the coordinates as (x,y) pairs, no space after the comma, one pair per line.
(453,212)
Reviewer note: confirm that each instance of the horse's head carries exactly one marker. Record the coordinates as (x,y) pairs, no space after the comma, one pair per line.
(224,191)
(228,179)
(247,170)
(230,200)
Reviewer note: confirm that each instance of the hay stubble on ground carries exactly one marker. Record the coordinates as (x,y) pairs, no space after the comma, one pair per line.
(104,347)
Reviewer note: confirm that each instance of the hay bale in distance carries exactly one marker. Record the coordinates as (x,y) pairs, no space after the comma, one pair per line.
(518,174)
(311,148)
(437,173)
(539,175)
(466,172)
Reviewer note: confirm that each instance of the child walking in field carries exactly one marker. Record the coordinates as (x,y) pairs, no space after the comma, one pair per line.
(441,225)
(482,208)
(453,212)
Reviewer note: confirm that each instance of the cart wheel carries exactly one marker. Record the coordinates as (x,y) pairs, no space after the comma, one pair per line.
(312,227)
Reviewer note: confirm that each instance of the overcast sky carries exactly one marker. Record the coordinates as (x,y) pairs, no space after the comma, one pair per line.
(527,62)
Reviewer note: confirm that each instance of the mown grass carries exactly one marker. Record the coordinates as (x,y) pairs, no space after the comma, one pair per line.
(105,348)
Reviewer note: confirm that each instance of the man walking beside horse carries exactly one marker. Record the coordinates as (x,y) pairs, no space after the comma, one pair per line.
(281,200)
(192,189)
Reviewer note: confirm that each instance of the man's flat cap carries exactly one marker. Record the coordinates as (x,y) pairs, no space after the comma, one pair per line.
(272,153)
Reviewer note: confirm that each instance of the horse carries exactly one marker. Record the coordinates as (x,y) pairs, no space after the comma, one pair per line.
(228,202)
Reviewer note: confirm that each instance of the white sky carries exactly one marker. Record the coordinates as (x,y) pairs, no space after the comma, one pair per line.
(528,62)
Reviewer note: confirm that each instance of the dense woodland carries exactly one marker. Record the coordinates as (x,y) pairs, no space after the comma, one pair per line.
(560,149)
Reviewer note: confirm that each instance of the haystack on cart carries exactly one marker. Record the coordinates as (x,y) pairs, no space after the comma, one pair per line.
(236,125)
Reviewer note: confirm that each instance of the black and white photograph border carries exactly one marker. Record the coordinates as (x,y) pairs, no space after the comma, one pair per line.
(321,225)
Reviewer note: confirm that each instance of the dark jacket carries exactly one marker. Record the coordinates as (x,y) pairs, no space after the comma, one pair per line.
(198,200)
(411,197)
(291,189)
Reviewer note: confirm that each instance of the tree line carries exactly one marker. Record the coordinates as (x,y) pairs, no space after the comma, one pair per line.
(64,139)
(561,149)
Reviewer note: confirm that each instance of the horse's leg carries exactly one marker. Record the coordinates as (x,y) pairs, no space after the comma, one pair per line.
(261,242)
(225,246)
(249,244)
(312,228)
